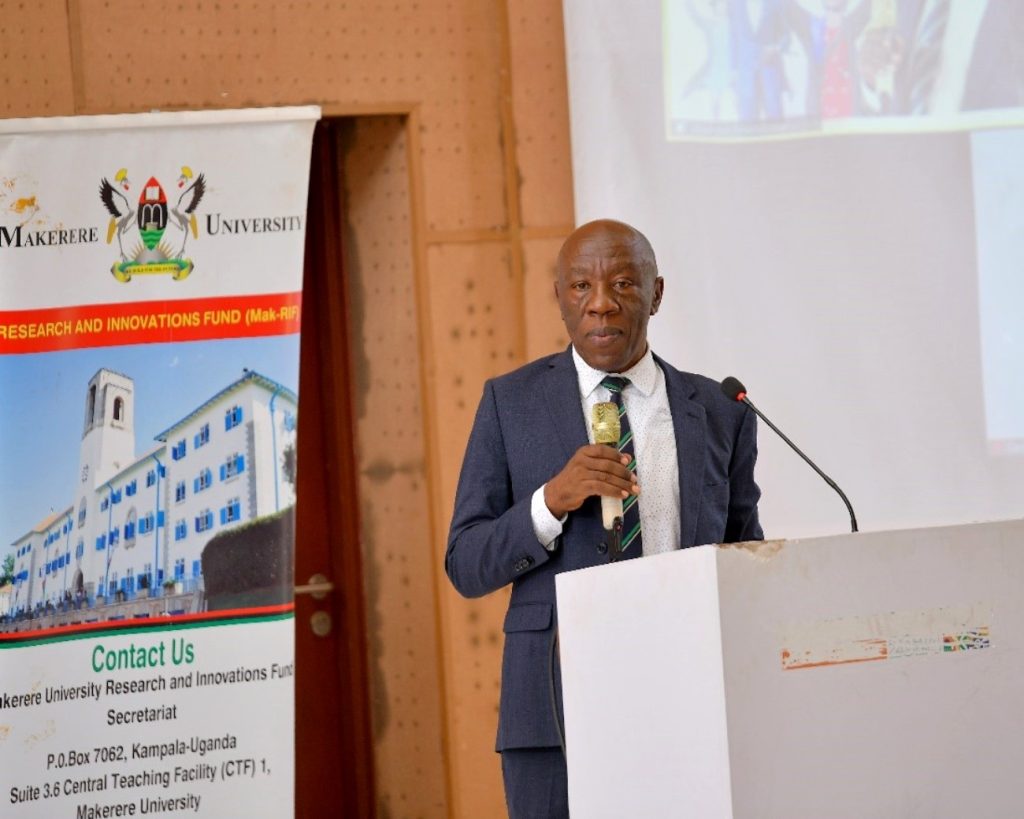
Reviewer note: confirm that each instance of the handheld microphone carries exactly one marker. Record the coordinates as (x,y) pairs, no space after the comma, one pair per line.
(604,421)
(734,389)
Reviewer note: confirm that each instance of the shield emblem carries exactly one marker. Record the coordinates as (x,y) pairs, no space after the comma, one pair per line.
(152,216)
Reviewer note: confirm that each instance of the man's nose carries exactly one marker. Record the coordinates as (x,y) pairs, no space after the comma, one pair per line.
(602,301)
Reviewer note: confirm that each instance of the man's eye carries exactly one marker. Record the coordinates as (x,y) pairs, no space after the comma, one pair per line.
(623,284)
(580,286)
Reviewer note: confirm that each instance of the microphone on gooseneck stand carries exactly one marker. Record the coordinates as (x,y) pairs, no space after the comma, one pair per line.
(737,392)
(604,421)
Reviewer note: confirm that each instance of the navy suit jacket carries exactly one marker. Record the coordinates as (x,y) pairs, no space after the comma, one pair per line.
(529,423)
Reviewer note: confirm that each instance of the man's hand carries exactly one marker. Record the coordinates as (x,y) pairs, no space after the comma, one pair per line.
(594,469)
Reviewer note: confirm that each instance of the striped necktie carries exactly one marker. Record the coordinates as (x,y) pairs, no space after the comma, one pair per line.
(632,541)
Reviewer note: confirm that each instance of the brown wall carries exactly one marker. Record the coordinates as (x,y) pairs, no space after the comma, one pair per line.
(458,182)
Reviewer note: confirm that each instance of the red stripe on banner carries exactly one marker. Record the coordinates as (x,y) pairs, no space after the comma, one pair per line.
(149,322)
(145,622)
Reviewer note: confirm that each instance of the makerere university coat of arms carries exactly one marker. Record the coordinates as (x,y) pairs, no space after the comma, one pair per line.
(163,230)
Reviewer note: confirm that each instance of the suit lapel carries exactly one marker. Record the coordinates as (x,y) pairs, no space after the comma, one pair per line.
(690,423)
(562,394)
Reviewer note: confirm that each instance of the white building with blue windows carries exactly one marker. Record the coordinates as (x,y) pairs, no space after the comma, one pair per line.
(142,519)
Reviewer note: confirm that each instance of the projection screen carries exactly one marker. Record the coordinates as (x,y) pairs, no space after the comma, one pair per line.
(835,191)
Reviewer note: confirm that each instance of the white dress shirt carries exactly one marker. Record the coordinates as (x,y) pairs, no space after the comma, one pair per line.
(654,437)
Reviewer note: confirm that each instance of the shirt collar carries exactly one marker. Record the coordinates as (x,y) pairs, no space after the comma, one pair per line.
(642,375)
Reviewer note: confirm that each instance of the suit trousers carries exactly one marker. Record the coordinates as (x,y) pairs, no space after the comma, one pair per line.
(536,784)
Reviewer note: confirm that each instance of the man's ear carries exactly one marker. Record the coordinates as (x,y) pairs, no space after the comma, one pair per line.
(659,291)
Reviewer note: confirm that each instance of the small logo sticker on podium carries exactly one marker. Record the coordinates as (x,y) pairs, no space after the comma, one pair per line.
(887,636)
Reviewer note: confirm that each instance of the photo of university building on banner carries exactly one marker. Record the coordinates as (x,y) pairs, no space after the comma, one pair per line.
(131,543)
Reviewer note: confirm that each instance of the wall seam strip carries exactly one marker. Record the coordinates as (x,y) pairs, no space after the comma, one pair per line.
(427,385)
(74,18)
(512,202)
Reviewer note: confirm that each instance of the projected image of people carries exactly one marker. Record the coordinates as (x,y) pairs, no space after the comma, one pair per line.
(738,68)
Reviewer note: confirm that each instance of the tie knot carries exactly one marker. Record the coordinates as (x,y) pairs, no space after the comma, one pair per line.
(614,383)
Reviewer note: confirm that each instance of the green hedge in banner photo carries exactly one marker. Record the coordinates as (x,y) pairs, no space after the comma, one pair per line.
(251,564)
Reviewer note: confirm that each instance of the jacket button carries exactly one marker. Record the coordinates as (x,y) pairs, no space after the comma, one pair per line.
(602,548)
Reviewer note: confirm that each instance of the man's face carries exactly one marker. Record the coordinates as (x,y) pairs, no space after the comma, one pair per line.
(607,289)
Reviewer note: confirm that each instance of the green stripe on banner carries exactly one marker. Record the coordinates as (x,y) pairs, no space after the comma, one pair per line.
(171,626)
(625,439)
(627,504)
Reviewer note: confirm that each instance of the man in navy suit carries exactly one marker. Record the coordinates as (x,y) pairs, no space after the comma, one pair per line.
(528,501)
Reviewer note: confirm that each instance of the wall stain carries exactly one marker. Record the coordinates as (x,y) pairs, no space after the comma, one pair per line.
(382,470)
(372,572)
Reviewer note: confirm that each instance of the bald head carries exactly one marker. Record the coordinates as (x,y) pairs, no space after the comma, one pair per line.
(608,288)
(608,235)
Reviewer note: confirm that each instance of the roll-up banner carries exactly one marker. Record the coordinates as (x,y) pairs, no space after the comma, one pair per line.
(150,304)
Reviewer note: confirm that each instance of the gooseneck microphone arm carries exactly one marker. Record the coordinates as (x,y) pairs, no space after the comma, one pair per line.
(735,390)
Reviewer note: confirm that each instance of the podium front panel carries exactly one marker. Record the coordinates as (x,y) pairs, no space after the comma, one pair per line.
(643,689)
(860,675)
(876,674)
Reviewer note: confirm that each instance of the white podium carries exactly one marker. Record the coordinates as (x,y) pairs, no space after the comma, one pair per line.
(867,675)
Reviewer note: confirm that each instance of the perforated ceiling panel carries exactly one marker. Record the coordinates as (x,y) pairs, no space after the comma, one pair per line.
(35,60)
(541,108)
(198,54)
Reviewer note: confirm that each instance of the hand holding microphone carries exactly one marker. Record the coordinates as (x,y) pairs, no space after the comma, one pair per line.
(594,469)
(607,427)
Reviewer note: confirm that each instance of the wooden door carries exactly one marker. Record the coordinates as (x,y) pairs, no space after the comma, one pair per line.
(334,752)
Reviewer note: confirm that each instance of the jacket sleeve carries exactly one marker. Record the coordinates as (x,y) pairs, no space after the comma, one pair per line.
(743,523)
(491,541)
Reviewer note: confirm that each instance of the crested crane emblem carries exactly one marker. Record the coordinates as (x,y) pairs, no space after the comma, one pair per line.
(163,228)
